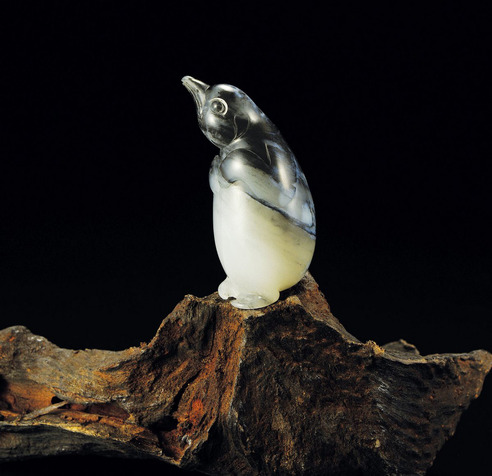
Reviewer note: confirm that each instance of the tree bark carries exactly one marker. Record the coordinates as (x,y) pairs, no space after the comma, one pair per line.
(284,389)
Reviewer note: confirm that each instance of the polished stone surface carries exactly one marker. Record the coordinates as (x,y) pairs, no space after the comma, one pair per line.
(264,221)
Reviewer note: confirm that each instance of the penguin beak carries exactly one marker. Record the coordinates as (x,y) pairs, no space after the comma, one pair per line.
(197,90)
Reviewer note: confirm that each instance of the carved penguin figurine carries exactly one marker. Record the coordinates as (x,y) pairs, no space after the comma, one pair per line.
(263,212)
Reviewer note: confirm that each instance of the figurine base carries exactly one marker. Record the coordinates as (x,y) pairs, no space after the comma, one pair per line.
(283,391)
(228,292)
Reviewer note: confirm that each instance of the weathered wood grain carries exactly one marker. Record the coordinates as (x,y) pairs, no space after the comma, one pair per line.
(285,389)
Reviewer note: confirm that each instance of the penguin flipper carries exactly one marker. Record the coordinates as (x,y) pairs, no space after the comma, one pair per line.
(249,170)
(233,166)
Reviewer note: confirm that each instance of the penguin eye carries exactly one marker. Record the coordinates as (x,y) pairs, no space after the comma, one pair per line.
(218,106)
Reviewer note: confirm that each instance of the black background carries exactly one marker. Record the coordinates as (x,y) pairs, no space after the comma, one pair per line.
(104,199)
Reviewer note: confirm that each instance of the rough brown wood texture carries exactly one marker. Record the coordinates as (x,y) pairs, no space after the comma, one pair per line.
(285,389)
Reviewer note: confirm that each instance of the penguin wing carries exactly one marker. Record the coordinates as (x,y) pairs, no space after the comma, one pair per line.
(238,162)
(246,168)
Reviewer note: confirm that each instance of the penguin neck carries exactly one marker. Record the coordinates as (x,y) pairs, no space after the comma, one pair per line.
(239,143)
(257,134)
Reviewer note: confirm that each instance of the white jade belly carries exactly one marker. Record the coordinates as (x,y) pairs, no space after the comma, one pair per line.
(261,251)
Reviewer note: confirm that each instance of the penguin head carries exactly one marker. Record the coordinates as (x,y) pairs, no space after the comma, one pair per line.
(225,113)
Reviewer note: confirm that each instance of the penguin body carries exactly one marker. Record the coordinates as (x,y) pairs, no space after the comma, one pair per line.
(264,222)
